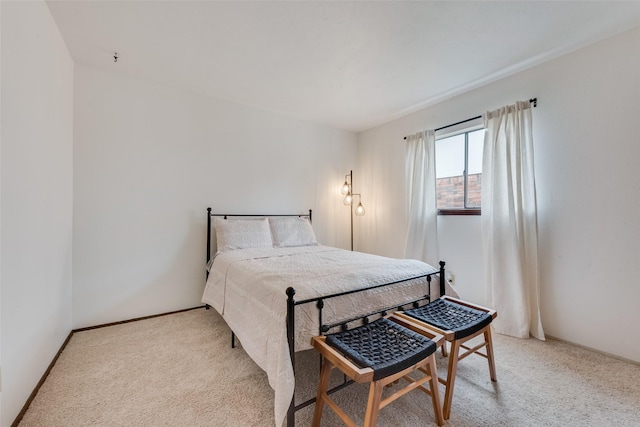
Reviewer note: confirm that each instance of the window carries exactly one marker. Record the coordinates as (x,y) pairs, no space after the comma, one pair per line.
(459,172)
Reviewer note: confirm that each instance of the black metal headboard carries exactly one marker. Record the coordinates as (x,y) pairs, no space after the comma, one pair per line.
(225,216)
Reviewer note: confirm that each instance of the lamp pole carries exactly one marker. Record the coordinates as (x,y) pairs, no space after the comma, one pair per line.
(351,207)
(347,189)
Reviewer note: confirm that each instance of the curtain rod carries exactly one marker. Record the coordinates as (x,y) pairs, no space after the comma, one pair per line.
(533,101)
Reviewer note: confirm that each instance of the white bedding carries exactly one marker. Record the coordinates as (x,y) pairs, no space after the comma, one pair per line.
(247,287)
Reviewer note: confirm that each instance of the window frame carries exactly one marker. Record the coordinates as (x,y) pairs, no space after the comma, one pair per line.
(459,130)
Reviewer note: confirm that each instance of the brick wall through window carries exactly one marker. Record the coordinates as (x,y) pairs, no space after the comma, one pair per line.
(450,192)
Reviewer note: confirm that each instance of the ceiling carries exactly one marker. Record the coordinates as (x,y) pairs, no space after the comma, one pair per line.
(348,65)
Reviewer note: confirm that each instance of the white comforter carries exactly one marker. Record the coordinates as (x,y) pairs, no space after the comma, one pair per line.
(247,287)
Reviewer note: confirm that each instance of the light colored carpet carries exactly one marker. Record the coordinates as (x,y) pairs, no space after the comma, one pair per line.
(179,370)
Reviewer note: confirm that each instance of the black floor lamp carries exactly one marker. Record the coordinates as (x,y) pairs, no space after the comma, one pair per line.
(347,190)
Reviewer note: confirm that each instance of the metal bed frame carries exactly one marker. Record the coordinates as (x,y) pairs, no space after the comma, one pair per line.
(225,216)
(291,303)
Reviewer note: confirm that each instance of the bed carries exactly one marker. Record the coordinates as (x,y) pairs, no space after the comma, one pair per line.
(276,287)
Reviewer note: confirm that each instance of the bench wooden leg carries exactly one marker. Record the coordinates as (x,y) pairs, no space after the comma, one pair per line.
(432,370)
(451,378)
(373,405)
(492,362)
(325,375)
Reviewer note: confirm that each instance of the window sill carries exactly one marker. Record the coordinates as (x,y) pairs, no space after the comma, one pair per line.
(459,211)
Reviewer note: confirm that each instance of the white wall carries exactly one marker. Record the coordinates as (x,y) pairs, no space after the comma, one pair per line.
(36,191)
(149,160)
(0,218)
(588,181)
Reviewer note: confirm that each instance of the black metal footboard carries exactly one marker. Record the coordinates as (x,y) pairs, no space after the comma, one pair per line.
(325,327)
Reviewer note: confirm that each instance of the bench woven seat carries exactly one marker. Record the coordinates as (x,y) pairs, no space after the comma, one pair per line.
(458,321)
(383,346)
(447,315)
(380,353)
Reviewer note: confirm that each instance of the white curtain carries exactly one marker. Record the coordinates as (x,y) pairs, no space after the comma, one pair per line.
(509,221)
(422,232)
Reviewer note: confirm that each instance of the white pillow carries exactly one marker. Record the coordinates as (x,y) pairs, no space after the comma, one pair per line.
(234,234)
(292,231)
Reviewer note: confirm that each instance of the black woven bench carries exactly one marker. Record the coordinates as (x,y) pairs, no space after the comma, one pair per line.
(447,315)
(380,353)
(458,321)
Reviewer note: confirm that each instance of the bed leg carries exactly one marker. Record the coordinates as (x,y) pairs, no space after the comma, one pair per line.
(291,416)
(291,412)
(233,340)
(443,279)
